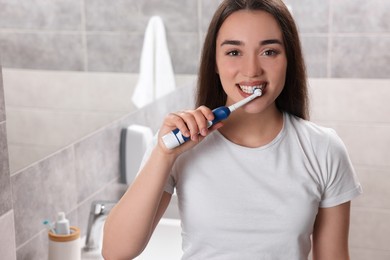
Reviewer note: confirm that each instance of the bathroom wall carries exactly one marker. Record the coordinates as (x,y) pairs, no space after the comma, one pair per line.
(338,36)
(88,169)
(83,35)
(71,178)
(7,229)
(47,110)
(358,110)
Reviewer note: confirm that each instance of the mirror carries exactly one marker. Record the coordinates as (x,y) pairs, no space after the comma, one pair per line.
(70,68)
(47,110)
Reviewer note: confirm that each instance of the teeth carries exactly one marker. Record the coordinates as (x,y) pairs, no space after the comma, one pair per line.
(250,89)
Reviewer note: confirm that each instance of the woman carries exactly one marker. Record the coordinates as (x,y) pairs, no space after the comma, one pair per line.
(267,180)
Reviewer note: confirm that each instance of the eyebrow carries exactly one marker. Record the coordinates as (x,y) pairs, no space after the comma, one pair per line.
(261,43)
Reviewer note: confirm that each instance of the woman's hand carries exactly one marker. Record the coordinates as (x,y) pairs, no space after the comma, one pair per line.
(191,123)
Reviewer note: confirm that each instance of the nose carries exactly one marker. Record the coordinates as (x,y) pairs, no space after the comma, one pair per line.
(251,66)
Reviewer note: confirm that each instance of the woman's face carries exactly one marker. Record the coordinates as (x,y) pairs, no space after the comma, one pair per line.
(250,53)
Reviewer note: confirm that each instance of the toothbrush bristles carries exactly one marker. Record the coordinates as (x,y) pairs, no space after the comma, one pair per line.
(258,91)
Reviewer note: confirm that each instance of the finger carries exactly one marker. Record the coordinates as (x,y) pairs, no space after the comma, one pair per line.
(201,121)
(207,112)
(215,126)
(191,122)
(174,120)
(210,130)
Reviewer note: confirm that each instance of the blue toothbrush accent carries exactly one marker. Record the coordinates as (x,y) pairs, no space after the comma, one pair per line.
(176,138)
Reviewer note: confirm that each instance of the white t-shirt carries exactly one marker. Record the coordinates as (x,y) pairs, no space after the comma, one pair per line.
(237,202)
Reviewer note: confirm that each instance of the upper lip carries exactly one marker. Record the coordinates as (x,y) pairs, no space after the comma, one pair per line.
(251,83)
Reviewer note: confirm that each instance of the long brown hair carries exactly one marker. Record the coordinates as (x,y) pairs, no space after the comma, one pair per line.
(294,98)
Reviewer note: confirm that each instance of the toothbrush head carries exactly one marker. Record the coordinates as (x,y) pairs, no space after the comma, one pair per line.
(258,92)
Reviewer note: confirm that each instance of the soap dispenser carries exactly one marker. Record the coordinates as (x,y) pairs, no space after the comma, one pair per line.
(64,240)
(62,224)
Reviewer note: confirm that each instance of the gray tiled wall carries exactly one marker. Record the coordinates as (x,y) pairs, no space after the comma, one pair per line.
(88,169)
(85,35)
(70,179)
(7,229)
(357,109)
(82,35)
(5,188)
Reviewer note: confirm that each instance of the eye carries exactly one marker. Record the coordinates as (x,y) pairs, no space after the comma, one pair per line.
(233,53)
(270,52)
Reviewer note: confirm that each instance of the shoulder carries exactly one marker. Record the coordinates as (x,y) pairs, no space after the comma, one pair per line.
(323,141)
(308,126)
(310,130)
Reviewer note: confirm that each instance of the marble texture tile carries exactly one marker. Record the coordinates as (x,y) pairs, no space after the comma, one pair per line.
(42,190)
(35,249)
(55,51)
(365,254)
(121,52)
(2,100)
(5,184)
(52,130)
(185,52)
(370,229)
(97,161)
(207,11)
(122,15)
(48,110)
(367,144)
(133,15)
(23,155)
(310,16)
(376,186)
(360,57)
(38,14)
(114,52)
(7,236)
(69,90)
(359,16)
(52,127)
(362,101)
(178,16)
(315,50)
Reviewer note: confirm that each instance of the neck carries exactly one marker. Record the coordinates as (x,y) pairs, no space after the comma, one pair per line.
(252,130)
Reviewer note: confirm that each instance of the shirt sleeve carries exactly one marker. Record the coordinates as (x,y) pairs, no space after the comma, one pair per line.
(342,184)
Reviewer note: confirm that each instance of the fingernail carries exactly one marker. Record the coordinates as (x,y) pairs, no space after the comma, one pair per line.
(203,132)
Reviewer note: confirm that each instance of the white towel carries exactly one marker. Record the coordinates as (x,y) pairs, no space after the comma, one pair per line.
(156,77)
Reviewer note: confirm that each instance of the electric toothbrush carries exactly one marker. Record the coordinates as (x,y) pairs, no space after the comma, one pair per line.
(176,138)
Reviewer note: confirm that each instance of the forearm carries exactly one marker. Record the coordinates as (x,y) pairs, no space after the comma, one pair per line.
(330,235)
(128,227)
(130,223)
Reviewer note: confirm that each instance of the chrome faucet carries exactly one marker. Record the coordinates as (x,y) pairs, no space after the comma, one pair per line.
(98,213)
